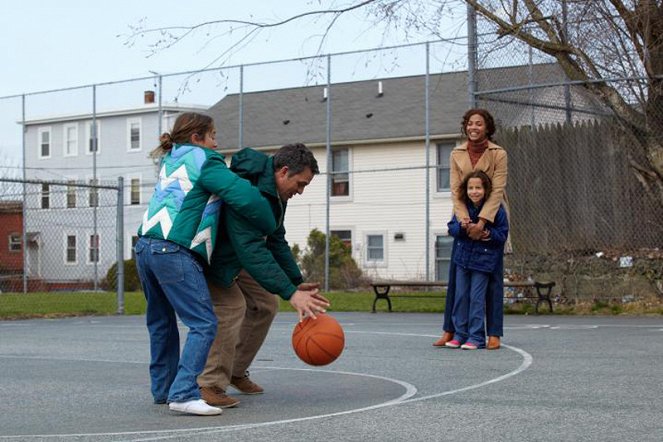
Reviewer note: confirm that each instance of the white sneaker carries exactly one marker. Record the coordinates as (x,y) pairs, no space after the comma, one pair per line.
(198,407)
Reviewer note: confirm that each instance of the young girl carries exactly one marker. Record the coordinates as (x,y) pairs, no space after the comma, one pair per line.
(176,240)
(475,261)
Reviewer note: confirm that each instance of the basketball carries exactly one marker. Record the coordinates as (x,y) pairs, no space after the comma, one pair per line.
(318,341)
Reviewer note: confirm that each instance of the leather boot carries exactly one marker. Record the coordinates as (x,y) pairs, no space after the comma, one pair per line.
(493,343)
(446,337)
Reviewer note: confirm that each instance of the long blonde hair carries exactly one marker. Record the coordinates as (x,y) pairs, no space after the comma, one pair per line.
(186,124)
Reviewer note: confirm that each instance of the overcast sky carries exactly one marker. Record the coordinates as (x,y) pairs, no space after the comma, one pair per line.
(68,43)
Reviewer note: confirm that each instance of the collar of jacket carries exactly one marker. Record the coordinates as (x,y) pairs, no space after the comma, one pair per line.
(491,145)
(256,167)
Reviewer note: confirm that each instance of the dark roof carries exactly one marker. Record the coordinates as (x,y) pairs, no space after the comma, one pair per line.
(277,117)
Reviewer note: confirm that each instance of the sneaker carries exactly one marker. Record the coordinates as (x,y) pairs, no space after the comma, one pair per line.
(245,385)
(197,406)
(217,397)
(452,344)
(469,346)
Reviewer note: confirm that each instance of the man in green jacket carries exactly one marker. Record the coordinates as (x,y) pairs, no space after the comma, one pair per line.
(248,268)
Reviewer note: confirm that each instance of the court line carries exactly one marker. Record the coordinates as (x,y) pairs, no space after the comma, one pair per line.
(410,390)
(527,362)
(403,399)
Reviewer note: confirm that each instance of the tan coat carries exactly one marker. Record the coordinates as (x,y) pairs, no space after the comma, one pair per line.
(494,163)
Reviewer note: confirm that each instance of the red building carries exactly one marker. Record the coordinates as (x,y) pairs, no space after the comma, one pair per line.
(11,239)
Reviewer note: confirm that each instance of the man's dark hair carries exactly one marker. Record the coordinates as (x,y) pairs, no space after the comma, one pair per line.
(296,157)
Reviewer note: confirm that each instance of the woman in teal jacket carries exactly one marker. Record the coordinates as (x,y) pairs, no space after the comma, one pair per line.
(177,237)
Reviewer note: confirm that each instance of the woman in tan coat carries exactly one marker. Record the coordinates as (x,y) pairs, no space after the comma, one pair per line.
(478,153)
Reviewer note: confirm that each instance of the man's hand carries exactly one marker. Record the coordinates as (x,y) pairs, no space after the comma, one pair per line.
(308,302)
(308,286)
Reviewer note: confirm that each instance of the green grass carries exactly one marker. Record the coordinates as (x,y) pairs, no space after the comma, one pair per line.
(61,304)
(58,304)
(363,302)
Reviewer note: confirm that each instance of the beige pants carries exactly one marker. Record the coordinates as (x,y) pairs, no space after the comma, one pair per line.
(245,312)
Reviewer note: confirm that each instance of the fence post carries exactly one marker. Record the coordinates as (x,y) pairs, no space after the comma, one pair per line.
(472,49)
(24,207)
(329,171)
(120,245)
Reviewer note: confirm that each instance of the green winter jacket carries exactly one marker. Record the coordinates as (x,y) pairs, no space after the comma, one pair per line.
(240,245)
(194,183)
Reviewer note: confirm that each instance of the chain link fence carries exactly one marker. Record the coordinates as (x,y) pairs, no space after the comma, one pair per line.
(584,209)
(62,237)
(382,124)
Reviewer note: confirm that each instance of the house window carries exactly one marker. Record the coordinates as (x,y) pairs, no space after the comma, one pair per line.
(45,196)
(443,166)
(442,256)
(93,252)
(133,133)
(345,236)
(71,249)
(15,242)
(135,191)
(70,140)
(94,193)
(340,177)
(71,194)
(134,240)
(91,137)
(44,142)
(375,248)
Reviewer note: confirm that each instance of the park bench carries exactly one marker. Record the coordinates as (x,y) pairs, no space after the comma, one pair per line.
(543,290)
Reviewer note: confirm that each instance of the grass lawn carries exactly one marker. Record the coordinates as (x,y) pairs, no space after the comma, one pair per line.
(60,304)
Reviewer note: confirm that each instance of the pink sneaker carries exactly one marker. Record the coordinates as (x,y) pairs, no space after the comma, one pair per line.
(469,346)
(452,344)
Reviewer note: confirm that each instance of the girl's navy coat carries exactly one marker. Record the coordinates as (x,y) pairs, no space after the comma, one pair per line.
(483,256)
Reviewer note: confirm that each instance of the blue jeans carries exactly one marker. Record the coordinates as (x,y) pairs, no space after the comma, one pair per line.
(174,284)
(470,306)
(494,300)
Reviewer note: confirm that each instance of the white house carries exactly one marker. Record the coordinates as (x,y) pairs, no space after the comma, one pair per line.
(60,219)
(380,194)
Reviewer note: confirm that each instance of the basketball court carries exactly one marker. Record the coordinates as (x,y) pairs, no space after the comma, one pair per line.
(556,378)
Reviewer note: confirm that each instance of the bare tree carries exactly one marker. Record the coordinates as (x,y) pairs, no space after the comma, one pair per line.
(613,48)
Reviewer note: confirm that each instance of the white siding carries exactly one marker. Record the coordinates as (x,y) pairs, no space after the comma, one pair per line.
(382,200)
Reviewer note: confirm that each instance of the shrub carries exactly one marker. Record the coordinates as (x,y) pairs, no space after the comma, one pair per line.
(343,270)
(131,280)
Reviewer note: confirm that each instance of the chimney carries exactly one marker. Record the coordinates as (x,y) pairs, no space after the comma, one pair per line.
(149,97)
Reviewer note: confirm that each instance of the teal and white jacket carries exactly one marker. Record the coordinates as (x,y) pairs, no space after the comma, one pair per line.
(193,184)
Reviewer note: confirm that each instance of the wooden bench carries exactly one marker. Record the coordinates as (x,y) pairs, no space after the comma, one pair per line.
(543,290)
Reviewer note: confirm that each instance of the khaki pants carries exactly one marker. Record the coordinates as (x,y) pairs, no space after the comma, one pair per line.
(245,312)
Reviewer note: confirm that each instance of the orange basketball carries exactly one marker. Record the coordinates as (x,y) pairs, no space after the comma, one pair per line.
(318,341)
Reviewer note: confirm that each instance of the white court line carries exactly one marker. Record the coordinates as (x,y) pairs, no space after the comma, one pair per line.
(403,399)
(574,327)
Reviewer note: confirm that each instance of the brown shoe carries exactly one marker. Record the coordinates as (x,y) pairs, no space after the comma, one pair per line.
(493,343)
(217,397)
(446,337)
(245,385)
